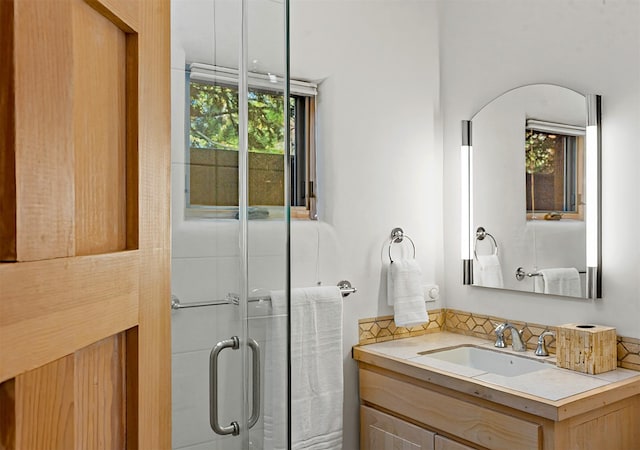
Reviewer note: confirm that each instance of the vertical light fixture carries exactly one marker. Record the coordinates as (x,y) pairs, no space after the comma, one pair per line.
(466,197)
(593,196)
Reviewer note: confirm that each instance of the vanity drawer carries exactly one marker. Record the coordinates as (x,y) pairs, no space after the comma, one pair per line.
(473,423)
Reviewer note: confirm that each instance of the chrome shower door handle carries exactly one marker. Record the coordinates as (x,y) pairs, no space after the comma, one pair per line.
(233,428)
(255,363)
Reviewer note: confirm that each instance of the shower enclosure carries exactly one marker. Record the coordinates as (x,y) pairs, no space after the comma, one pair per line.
(230,222)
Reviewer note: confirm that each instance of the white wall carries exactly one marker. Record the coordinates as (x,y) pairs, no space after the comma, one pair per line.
(378,161)
(490,46)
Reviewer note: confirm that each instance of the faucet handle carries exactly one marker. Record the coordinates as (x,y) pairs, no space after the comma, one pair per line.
(499,330)
(541,350)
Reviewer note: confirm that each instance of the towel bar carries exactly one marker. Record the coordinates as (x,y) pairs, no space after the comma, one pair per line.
(521,273)
(234,299)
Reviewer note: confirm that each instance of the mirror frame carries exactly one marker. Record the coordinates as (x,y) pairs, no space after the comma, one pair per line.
(593,194)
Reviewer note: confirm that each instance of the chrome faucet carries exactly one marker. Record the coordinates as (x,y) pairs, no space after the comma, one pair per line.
(517,343)
(541,350)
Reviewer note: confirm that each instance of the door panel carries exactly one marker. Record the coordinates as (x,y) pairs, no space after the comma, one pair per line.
(76,132)
(84,216)
(44,171)
(77,401)
(44,396)
(99,390)
(99,108)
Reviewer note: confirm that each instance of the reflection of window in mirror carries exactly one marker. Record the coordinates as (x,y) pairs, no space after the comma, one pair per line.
(554,170)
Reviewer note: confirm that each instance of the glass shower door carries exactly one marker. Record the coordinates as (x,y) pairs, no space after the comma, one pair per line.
(268,195)
(230,225)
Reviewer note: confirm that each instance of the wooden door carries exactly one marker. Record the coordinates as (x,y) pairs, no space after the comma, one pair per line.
(84,224)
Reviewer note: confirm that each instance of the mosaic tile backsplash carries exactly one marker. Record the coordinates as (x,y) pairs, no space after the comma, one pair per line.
(379,329)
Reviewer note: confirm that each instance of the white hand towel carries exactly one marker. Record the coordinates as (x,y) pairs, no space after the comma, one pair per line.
(489,273)
(404,292)
(560,281)
(316,371)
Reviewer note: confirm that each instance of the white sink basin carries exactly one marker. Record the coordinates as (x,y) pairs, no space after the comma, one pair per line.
(487,360)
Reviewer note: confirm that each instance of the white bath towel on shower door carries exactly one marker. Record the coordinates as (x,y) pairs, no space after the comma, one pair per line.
(316,371)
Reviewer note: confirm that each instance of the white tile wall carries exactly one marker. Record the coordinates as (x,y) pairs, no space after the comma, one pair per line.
(267,238)
(200,328)
(194,279)
(179,108)
(227,237)
(190,409)
(177,191)
(227,269)
(210,445)
(191,240)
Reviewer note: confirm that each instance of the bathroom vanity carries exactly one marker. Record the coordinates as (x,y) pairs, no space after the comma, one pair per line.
(418,394)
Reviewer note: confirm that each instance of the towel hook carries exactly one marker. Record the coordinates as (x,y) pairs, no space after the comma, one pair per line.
(397,236)
(481,233)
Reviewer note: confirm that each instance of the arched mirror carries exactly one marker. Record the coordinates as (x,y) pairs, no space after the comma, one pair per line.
(531,193)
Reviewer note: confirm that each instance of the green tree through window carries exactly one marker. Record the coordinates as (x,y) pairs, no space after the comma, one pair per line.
(214,119)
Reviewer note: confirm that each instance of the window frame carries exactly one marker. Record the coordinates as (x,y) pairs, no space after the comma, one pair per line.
(305,94)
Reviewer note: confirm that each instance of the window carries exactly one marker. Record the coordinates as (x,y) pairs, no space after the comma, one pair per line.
(554,170)
(212,150)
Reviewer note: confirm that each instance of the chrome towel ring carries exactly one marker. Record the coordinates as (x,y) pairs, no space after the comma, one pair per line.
(481,233)
(397,236)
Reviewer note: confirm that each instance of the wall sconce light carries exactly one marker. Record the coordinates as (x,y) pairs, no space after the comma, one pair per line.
(593,196)
(466,196)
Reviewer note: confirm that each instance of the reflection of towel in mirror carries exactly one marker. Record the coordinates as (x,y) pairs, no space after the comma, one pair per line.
(560,281)
(404,292)
(489,272)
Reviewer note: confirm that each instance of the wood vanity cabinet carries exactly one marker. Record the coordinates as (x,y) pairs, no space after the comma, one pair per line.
(401,411)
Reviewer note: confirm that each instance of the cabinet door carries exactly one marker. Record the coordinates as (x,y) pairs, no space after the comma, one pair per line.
(380,431)
(443,443)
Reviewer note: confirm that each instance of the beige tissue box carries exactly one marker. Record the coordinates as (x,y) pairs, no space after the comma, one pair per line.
(586,348)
